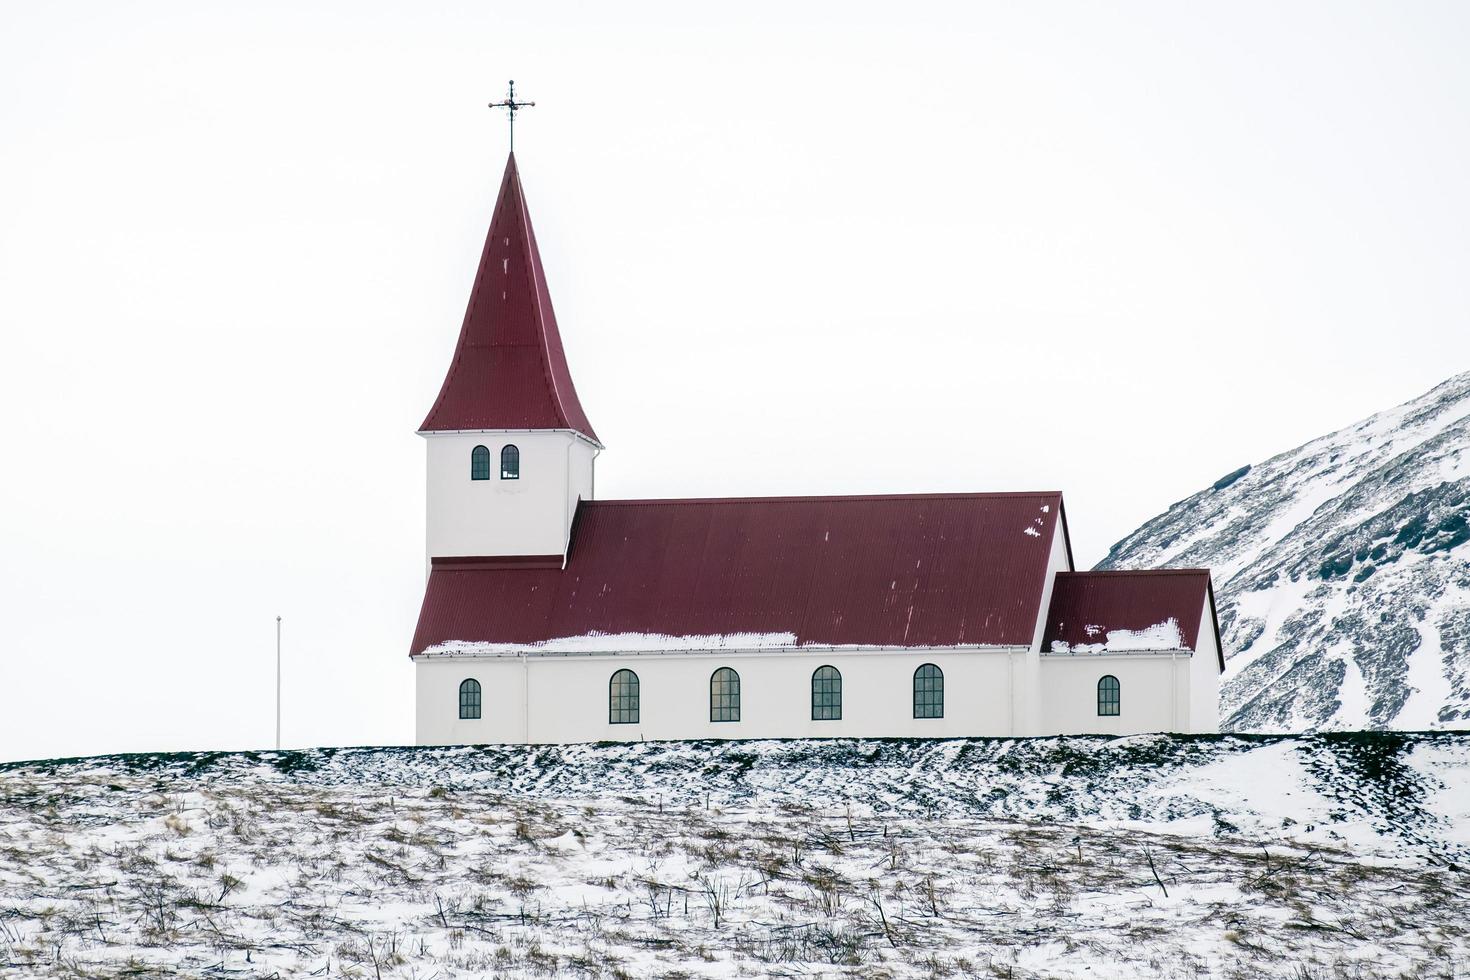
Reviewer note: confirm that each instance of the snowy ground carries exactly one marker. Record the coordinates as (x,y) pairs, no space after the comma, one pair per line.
(1323,856)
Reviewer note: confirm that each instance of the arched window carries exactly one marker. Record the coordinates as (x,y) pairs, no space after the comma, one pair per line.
(622,698)
(510,463)
(928,692)
(826,694)
(469,698)
(479,463)
(724,695)
(1108,699)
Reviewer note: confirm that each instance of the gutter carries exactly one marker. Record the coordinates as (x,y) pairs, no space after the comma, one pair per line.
(696,653)
(1171,654)
(426,433)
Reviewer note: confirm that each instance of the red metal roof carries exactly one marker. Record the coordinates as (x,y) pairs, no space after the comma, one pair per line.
(509,370)
(920,570)
(1085,606)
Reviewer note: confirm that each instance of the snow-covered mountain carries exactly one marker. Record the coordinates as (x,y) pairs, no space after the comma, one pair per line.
(1342,573)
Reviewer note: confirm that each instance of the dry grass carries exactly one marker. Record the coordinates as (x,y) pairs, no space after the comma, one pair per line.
(249,879)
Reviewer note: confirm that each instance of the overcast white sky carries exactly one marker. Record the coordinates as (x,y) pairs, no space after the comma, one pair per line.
(1116,250)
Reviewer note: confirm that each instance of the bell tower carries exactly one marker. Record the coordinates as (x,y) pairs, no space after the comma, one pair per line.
(510,450)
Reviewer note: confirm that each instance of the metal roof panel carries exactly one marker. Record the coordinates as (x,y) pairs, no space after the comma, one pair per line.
(509,370)
(893,571)
(1086,606)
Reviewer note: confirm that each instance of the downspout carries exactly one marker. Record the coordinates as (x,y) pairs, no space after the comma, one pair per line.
(571,509)
(1011,692)
(1173,692)
(567,506)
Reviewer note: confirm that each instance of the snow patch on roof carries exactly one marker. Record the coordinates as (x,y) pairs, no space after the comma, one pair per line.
(1160,636)
(595,642)
(634,643)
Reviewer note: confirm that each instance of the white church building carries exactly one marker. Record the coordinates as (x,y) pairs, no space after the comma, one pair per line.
(552,616)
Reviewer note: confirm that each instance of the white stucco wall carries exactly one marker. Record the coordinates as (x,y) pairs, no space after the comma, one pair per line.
(1154,690)
(1031,711)
(528,516)
(1204,678)
(568,696)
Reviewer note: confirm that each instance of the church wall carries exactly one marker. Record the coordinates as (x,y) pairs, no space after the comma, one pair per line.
(579,484)
(1204,679)
(568,696)
(1031,709)
(1154,693)
(436,701)
(527,516)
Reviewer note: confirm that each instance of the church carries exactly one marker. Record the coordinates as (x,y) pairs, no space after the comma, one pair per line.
(552,616)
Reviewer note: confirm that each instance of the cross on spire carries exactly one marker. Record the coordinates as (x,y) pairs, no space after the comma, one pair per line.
(511,106)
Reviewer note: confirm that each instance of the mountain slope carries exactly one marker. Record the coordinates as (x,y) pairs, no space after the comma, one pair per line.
(1342,571)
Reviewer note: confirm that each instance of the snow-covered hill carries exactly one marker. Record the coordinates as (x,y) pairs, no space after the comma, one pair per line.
(1337,855)
(1342,570)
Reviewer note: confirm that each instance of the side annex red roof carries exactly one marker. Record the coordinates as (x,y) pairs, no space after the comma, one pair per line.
(1085,606)
(509,370)
(892,571)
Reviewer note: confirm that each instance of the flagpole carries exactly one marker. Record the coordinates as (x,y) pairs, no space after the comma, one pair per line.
(278,683)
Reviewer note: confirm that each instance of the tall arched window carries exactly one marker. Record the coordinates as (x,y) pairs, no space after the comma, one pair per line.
(510,463)
(469,698)
(826,694)
(479,463)
(724,695)
(622,698)
(1108,695)
(928,692)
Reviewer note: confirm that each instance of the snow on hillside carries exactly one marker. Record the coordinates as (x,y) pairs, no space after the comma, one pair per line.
(1318,856)
(1342,571)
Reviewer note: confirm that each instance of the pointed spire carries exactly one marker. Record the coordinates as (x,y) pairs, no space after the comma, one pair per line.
(509,370)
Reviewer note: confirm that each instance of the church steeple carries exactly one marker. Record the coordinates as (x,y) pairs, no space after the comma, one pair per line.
(510,451)
(509,370)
